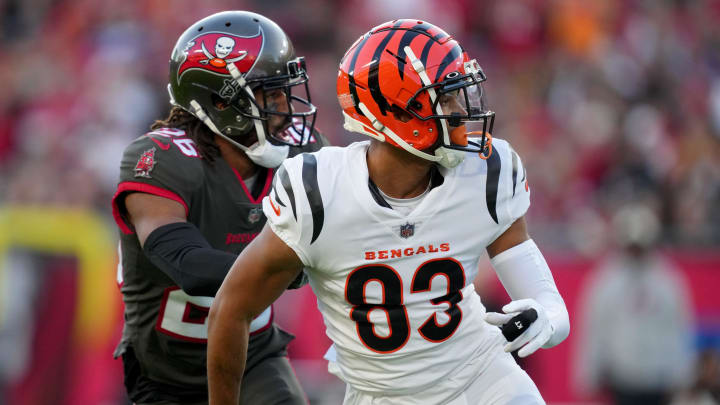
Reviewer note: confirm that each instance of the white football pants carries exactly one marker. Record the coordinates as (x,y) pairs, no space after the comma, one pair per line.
(502,383)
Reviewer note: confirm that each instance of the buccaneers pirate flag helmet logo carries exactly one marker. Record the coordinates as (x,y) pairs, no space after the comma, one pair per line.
(214,50)
(259,54)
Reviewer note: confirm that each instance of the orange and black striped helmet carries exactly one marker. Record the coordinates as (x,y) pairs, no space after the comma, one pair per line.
(411,84)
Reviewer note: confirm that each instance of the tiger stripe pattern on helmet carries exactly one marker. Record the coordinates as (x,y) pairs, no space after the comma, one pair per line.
(411,84)
(351,76)
(379,72)
(407,38)
(373,76)
(429,33)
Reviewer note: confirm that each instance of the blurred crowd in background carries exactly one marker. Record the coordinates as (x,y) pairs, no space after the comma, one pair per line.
(605,101)
(609,103)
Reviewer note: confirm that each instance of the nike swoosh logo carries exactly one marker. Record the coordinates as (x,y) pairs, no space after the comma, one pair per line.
(276,209)
(162,146)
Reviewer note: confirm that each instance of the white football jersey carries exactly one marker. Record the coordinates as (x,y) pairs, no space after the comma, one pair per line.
(396,291)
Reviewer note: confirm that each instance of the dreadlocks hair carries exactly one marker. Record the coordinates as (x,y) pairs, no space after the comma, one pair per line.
(194,128)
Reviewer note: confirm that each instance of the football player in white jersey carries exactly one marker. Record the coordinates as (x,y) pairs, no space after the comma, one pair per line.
(390,233)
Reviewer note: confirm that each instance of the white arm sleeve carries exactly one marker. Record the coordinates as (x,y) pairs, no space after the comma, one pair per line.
(524,273)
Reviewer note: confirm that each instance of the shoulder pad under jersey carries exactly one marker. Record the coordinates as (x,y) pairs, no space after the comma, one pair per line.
(295,208)
(163,162)
(507,193)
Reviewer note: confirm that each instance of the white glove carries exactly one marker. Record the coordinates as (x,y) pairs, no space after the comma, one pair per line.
(535,336)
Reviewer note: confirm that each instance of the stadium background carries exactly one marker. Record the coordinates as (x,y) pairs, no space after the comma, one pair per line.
(608,103)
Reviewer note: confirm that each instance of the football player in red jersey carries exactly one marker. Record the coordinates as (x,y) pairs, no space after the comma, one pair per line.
(390,232)
(189,201)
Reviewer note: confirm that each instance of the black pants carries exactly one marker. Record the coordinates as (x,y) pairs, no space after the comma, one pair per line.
(270,382)
(282,388)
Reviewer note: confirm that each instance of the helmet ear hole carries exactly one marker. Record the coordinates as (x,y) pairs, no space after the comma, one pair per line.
(219,103)
(400,114)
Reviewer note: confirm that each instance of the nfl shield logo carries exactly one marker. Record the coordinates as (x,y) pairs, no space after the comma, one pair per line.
(254,215)
(407,230)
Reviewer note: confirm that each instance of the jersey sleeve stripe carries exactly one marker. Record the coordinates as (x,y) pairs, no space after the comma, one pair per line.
(127,186)
(310,183)
(277,197)
(285,180)
(491,184)
(514,171)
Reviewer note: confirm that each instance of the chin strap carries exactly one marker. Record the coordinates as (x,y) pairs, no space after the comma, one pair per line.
(445,157)
(202,116)
(449,157)
(262,153)
(420,69)
(268,155)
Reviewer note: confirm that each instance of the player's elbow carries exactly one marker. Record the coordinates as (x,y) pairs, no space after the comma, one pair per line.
(564,327)
(560,321)
(217,313)
(226,313)
(214,313)
(213,316)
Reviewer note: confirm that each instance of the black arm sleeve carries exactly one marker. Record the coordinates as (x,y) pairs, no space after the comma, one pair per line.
(181,252)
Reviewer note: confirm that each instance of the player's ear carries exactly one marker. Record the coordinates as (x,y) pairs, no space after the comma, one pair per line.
(400,114)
